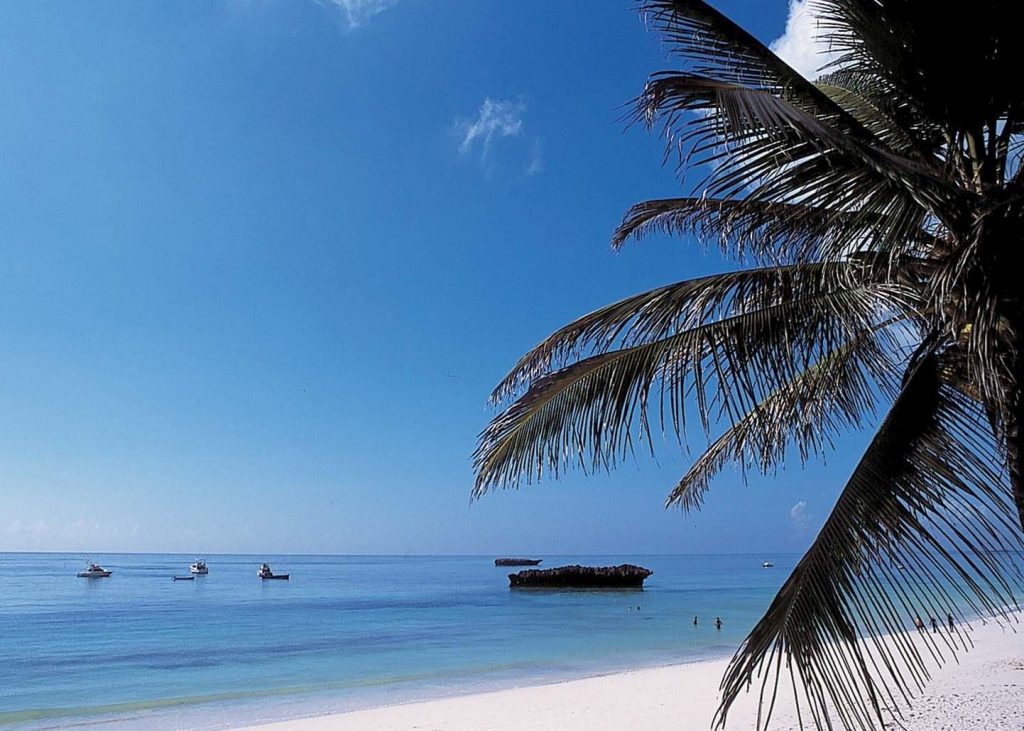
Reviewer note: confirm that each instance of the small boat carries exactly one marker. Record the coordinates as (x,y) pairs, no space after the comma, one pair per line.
(95,571)
(517,561)
(266,574)
(767,565)
(190,577)
(199,568)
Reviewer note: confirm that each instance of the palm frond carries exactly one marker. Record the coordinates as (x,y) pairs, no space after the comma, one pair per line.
(768,134)
(586,414)
(768,231)
(716,47)
(658,313)
(756,141)
(930,495)
(875,119)
(889,115)
(832,395)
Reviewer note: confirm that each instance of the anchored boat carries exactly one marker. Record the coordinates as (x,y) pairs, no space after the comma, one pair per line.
(199,568)
(266,574)
(95,571)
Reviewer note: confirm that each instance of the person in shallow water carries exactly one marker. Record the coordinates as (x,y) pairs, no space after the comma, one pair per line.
(935,626)
(718,623)
(695,621)
(919,624)
(949,620)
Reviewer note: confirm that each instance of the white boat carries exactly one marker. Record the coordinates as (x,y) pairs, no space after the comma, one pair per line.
(95,571)
(767,565)
(199,568)
(265,573)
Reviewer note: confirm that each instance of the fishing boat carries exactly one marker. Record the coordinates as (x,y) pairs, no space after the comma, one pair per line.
(266,574)
(95,571)
(198,568)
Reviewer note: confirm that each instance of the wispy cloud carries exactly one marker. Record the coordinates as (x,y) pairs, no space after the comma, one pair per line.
(801,45)
(37,527)
(536,163)
(358,13)
(801,517)
(497,120)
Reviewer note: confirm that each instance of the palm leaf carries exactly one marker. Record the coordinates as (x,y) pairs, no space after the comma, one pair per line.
(716,47)
(757,141)
(655,314)
(832,395)
(929,494)
(882,126)
(593,406)
(768,231)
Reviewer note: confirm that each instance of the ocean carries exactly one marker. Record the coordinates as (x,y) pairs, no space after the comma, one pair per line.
(138,650)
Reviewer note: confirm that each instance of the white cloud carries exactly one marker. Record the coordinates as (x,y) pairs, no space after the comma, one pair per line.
(359,12)
(800,516)
(496,118)
(499,119)
(800,45)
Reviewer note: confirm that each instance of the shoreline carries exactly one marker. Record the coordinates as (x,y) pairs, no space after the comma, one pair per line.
(984,690)
(301,705)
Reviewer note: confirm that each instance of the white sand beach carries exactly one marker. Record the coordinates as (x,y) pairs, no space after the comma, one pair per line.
(984,691)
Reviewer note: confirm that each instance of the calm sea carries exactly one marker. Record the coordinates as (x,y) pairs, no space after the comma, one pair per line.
(345,632)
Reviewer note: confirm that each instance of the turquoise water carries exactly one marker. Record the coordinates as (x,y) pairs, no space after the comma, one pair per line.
(345,632)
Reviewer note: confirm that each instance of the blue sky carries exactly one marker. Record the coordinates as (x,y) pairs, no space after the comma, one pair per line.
(263,260)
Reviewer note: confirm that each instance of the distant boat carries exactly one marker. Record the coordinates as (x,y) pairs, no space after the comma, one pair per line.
(266,574)
(767,565)
(517,561)
(95,571)
(199,568)
(190,577)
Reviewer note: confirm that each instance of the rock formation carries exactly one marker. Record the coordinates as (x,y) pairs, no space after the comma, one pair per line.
(625,576)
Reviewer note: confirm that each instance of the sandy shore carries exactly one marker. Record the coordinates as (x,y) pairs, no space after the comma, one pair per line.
(985,691)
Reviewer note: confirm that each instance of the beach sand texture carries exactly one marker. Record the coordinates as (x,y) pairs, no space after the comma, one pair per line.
(984,691)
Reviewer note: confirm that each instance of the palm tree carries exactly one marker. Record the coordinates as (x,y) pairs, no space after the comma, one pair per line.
(874,213)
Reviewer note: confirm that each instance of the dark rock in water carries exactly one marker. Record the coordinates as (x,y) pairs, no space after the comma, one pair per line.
(517,561)
(625,576)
